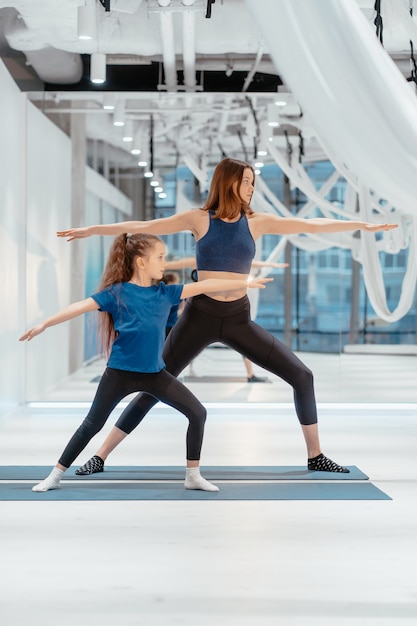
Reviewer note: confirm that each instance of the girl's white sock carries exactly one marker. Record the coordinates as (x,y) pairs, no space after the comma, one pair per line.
(50,482)
(194,480)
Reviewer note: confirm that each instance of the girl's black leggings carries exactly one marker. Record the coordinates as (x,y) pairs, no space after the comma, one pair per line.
(116,385)
(205,321)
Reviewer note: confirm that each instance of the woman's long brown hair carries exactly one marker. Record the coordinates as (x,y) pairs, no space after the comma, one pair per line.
(119,269)
(222,197)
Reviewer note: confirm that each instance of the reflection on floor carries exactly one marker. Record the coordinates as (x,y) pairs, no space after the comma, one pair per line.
(231,563)
(338,378)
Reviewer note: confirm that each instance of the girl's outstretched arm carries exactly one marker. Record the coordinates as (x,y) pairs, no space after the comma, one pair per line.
(73,310)
(217,284)
(161,226)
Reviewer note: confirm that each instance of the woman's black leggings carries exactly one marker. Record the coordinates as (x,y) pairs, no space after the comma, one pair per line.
(205,321)
(116,385)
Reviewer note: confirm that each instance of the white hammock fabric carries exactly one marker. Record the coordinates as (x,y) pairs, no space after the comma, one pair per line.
(358,101)
(372,272)
(365,116)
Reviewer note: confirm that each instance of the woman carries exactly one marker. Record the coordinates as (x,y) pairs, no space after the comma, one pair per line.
(133,320)
(225,230)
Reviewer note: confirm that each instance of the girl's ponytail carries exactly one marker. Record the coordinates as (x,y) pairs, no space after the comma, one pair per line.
(119,269)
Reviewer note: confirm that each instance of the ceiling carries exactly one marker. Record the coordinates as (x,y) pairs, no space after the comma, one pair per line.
(193,77)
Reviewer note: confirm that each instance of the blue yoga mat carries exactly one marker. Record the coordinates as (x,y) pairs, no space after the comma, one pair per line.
(239,472)
(175,491)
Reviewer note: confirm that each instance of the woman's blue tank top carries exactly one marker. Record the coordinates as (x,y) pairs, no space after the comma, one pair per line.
(226,247)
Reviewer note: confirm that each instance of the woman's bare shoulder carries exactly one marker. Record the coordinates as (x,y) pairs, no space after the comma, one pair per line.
(198,216)
(262,223)
(263,217)
(257,218)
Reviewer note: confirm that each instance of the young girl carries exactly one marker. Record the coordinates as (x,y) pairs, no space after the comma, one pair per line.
(133,330)
(225,230)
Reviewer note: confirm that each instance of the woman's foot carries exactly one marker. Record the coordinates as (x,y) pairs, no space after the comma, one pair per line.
(50,482)
(194,480)
(93,466)
(321,463)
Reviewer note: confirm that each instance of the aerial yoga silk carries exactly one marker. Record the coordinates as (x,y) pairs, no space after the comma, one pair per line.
(365,116)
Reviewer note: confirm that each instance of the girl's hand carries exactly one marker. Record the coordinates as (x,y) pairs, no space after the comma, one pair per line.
(375,228)
(30,334)
(258,283)
(75,233)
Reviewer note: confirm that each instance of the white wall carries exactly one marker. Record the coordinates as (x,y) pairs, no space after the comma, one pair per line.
(48,209)
(12,237)
(35,192)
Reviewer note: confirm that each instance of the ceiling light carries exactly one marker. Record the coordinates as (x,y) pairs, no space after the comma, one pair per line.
(137,142)
(154,183)
(257,172)
(162,195)
(148,174)
(128,131)
(262,152)
(119,113)
(142,163)
(158,189)
(273,115)
(280,103)
(87,20)
(98,68)
(109,101)
(259,164)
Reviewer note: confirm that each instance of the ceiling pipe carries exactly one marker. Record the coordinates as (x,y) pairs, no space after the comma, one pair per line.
(188,46)
(168,47)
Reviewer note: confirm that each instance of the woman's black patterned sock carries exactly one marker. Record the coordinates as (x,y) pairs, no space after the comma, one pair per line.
(321,463)
(93,466)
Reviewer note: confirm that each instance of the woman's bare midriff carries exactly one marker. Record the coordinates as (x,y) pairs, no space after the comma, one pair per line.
(224,296)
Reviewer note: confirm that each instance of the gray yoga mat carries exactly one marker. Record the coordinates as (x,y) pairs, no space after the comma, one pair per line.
(88,491)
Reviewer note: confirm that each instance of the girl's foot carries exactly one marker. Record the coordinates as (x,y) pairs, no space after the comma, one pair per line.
(194,480)
(50,482)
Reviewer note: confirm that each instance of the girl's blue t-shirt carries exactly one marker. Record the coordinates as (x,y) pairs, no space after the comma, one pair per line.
(140,315)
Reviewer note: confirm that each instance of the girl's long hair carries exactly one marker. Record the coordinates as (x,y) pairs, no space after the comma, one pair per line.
(222,197)
(119,269)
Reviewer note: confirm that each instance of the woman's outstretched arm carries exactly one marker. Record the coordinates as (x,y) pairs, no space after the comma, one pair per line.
(162,226)
(263,223)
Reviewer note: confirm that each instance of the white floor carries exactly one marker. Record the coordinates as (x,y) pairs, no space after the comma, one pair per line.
(300,563)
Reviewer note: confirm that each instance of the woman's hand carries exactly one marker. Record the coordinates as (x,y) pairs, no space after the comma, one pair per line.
(375,228)
(258,283)
(75,233)
(30,334)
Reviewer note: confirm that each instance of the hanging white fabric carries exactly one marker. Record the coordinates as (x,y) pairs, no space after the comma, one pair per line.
(353,93)
(372,271)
